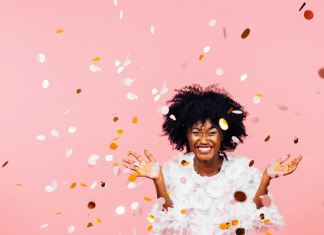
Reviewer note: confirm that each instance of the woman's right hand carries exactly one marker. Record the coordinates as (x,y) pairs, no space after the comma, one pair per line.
(145,167)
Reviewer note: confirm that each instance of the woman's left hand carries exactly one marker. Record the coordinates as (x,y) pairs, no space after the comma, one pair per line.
(274,170)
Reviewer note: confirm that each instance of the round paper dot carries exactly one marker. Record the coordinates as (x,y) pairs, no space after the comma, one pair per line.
(71,229)
(182,64)
(109,158)
(308,15)
(235,139)
(255,120)
(113,146)
(165,109)
(219,71)
(235,222)
(206,49)
(183,180)
(120,131)
(91,205)
(243,77)
(134,205)
(45,84)
(256,99)
(40,137)
(94,157)
(131,185)
(72,129)
(120,210)
(212,22)
(55,133)
(41,58)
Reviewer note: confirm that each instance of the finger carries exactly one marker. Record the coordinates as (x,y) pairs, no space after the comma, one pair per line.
(149,156)
(138,157)
(283,159)
(128,161)
(133,168)
(294,162)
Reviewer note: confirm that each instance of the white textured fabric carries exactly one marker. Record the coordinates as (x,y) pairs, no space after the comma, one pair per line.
(209,198)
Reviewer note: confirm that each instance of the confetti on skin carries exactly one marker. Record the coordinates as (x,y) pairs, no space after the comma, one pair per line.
(71,229)
(223,124)
(219,71)
(143,68)
(96,59)
(5,164)
(59,31)
(245,33)
(240,196)
(164,90)
(78,91)
(45,84)
(44,225)
(113,146)
(115,2)
(321,72)
(308,15)
(72,185)
(120,210)
(134,120)
(212,23)
(41,58)
(127,62)
(115,119)
(120,131)
(91,205)
(66,182)
(182,64)
(272,160)
(255,120)
(268,138)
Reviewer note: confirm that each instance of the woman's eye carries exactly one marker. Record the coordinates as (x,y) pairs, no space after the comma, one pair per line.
(212,133)
(195,133)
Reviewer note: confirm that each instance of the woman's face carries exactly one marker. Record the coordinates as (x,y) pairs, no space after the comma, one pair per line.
(205,146)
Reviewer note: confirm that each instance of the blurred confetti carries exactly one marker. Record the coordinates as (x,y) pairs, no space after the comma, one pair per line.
(201,56)
(45,84)
(182,64)
(308,15)
(59,31)
(245,33)
(113,146)
(115,119)
(219,71)
(321,72)
(267,139)
(78,91)
(96,59)
(5,164)
(41,58)
(89,225)
(212,22)
(91,205)
(71,229)
(72,185)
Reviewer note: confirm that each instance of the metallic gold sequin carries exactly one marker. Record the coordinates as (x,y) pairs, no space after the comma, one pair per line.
(98,220)
(120,131)
(228,225)
(151,219)
(296,140)
(113,146)
(72,185)
(91,205)
(134,120)
(223,124)
(115,164)
(230,110)
(201,56)
(58,213)
(18,184)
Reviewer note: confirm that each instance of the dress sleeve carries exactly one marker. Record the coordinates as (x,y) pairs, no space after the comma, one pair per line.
(171,221)
(251,218)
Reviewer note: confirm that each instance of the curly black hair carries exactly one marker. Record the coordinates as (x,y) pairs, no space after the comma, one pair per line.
(192,103)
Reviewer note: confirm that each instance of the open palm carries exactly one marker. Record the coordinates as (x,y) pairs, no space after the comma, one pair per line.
(277,169)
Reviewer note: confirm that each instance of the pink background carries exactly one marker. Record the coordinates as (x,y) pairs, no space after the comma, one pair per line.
(281,57)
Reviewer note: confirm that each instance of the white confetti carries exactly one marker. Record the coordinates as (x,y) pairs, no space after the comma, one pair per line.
(272,161)
(172,117)
(67,112)
(45,84)
(164,90)
(212,22)
(55,133)
(165,109)
(152,29)
(243,102)
(127,62)
(206,49)
(95,157)
(40,137)
(134,231)
(94,68)
(156,98)
(143,68)
(122,82)
(69,152)
(117,63)
(131,96)
(71,229)
(134,205)
(140,183)
(307,158)
(92,162)
(128,81)
(115,2)
(54,184)
(243,77)
(136,164)
(44,225)
(120,210)
(66,182)
(109,158)
(154,91)
(235,139)
(219,71)
(182,64)
(49,188)
(121,14)
(237,111)
(94,184)
(256,99)
(120,69)
(126,170)
(127,57)
(131,185)
(116,170)
(159,109)
(72,129)
(164,84)
(41,58)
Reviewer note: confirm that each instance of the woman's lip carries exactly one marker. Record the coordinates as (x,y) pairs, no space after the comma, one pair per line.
(204,152)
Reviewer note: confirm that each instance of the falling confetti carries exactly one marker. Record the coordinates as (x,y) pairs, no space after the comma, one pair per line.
(5,164)
(212,22)
(256,99)
(245,33)
(243,77)
(223,124)
(272,160)
(206,49)
(164,90)
(134,120)
(71,229)
(131,96)
(235,139)
(120,131)
(266,139)
(94,68)
(113,146)
(78,91)
(172,117)
(127,62)
(89,225)
(59,31)
(165,110)
(235,222)
(45,84)
(128,81)
(219,71)
(201,56)
(152,29)
(159,109)
(40,137)
(84,185)
(121,15)
(72,185)
(71,129)
(115,2)
(321,72)
(55,133)
(41,58)
(143,68)
(120,69)
(251,163)
(91,205)
(255,120)
(240,196)
(115,119)
(151,218)
(69,152)
(44,225)
(117,63)
(182,64)
(116,139)
(132,178)
(149,228)
(157,97)
(96,59)
(223,226)
(308,15)
(18,184)
(109,158)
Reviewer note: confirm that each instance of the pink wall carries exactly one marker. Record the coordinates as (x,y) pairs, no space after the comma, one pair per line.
(281,56)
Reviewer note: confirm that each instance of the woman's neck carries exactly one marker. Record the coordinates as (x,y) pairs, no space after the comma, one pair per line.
(205,168)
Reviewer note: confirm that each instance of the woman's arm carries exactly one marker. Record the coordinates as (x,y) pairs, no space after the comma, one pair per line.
(265,182)
(162,192)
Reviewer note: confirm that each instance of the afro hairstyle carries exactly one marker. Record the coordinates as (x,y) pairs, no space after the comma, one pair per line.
(192,103)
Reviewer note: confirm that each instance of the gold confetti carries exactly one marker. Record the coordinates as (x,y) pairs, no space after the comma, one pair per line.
(267,233)
(246,167)
(58,213)
(134,120)
(78,91)
(89,225)
(59,31)
(129,154)
(72,185)
(139,172)
(98,220)
(169,192)
(223,226)
(266,139)
(149,228)
(113,146)
(229,111)
(297,113)
(183,211)
(91,205)
(18,184)
(251,163)
(147,199)
(115,164)
(296,140)
(132,178)
(228,225)
(116,138)
(223,124)
(5,164)
(151,219)
(262,216)
(266,221)
(245,33)
(96,59)
(235,222)
(120,131)
(201,56)
(84,185)
(115,119)
(184,163)
(240,196)
(258,95)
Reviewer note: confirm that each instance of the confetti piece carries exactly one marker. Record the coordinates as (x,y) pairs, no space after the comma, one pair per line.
(201,56)
(266,221)
(268,138)
(45,84)
(206,49)
(262,216)
(44,225)
(224,31)
(113,146)
(59,31)
(233,201)
(151,218)
(72,185)
(235,139)
(219,71)
(212,22)
(272,160)
(255,120)
(89,225)
(308,15)
(230,110)
(321,72)
(240,231)
(223,124)
(251,163)
(258,95)
(154,91)
(71,229)
(164,90)
(40,137)
(128,81)
(134,120)
(152,29)
(157,97)
(117,63)
(41,58)
(115,164)
(172,117)
(228,225)
(96,59)
(267,233)
(69,152)
(94,184)
(235,222)
(94,68)
(55,133)
(58,213)
(5,164)
(18,184)
(103,184)
(116,139)
(71,129)
(183,211)
(143,68)
(116,170)
(121,15)
(66,182)
(120,131)
(115,119)
(84,185)
(183,180)
(127,62)
(223,226)
(256,99)
(240,196)
(245,33)
(182,64)
(91,205)
(165,110)
(147,199)
(266,201)
(149,228)
(246,167)
(78,91)
(120,210)
(131,96)
(132,178)
(115,2)
(120,69)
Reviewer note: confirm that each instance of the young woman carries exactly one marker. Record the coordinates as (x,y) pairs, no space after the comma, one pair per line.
(210,192)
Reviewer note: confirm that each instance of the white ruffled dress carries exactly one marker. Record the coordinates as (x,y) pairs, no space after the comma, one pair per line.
(209,198)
